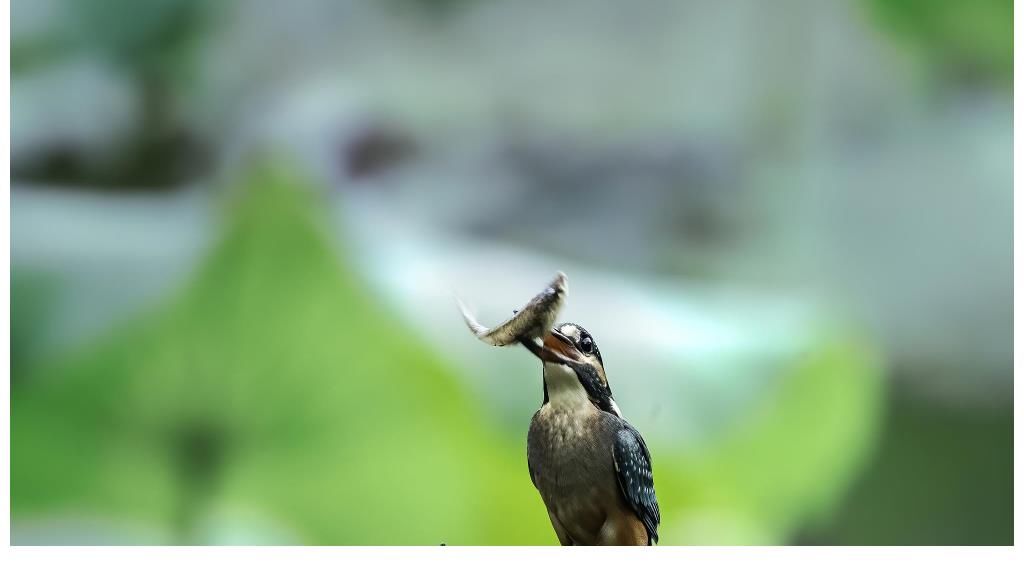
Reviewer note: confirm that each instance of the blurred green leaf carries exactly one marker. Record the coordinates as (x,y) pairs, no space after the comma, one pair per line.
(791,460)
(968,38)
(155,34)
(272,382)
(935,463)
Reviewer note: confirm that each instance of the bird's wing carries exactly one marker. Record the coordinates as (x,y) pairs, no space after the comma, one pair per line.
(636,480)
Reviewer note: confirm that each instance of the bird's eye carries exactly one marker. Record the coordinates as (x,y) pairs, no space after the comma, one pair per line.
(586,344)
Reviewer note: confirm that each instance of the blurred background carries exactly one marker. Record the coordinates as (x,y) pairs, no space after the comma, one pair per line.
(238,229)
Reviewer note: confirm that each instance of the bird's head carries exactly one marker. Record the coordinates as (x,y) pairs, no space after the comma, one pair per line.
(573,367)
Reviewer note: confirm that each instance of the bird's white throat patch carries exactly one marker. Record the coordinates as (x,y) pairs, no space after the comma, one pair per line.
(565,391)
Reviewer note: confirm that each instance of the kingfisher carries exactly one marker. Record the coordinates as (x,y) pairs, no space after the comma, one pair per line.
(591,467)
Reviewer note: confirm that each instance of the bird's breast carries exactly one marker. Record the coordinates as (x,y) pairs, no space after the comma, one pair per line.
(569,454)
(566,436)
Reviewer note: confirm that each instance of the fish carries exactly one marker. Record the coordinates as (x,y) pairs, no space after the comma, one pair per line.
(528,323)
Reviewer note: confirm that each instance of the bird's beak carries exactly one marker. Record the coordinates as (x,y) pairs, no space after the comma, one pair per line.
(555,347)
(558,343)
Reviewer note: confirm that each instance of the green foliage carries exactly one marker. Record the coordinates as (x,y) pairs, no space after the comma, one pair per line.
(969,38)
(275,386)
(32,302)
(155,36)
(942,476)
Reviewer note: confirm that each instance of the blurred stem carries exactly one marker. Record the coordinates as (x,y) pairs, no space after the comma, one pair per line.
(198,453)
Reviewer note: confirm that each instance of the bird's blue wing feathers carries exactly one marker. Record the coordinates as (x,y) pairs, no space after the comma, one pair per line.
(636,479)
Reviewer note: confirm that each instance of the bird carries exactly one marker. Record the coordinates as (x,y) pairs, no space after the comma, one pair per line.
(591,467)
